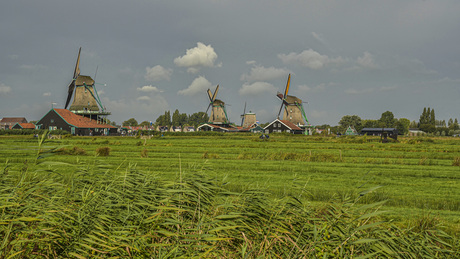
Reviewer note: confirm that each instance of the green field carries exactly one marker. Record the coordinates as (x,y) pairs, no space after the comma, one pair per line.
(418,178)
(417,175)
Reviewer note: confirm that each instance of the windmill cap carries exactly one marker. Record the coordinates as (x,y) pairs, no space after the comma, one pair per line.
(81,80)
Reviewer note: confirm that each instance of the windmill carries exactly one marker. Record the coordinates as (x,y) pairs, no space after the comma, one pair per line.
(218,112)
(293,108)
(247,119)
(86,100)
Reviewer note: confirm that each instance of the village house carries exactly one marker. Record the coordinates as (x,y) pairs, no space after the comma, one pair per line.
(9,122)
(283,126)
(64,119)
(23,125)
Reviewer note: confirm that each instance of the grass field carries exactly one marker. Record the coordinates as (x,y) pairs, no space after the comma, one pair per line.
(417,177)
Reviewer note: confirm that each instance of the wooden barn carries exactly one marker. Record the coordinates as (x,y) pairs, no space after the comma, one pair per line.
(218,128)
(382,132)
(9,122)
(64,119)
(283,126)
(23,125)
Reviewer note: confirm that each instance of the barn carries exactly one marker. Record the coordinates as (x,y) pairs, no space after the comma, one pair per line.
(283,126)
(64,119)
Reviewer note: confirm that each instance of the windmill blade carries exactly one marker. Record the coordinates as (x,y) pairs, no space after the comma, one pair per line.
(242,116)
(281,108)
(215,94)
(207,110)
(71,87)
(210,95)
(76,72)
(244,111)
(287,86)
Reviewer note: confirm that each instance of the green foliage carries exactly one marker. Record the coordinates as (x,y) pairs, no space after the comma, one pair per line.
(350,120)
(130,122)
(75,151)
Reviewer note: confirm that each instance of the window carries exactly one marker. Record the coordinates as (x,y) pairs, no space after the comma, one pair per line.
(52,121)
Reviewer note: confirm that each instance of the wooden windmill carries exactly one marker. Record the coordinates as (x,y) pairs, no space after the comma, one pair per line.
(218,112)
(86,101)
(293,108)
(247,118)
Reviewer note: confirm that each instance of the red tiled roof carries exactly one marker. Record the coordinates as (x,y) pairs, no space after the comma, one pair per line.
(290,125)
(27,125)
(80,121)
(13,119)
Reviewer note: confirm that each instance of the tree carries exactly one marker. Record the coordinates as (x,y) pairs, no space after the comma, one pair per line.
(198,118)
(130,122)
(370,123)
(144,123)
(427,120)
(403,126)
(350,120)
(164,120)
(387,120)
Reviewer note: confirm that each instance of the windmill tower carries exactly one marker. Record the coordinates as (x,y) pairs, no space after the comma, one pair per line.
(86,101)
(247,119)
(218,112)
(293,108)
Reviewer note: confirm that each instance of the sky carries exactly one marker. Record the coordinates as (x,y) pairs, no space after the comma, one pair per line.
(345,57)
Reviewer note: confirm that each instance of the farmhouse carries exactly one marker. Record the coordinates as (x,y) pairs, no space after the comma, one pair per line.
(218,128)
(351,131)
(283,126)
(75,124)
(9,122)
(23,125)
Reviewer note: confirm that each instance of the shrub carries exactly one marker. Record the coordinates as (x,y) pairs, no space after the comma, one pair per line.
(103,151)
(456,161)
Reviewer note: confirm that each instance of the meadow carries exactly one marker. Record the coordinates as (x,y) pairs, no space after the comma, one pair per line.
(414,181)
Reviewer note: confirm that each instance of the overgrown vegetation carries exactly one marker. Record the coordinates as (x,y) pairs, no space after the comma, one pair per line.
(92,211)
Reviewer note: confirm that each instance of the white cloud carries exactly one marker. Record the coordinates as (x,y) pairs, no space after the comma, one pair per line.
(387,88)
(157,73)
(198,86)
(149,89)
(143,98)
(4,89)
(260,73)
(257,88)
(195,58)
(47,94)
(366,61)
(310,58)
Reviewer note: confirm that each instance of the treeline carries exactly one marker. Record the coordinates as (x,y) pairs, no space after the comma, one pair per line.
(427,123)
(177,119)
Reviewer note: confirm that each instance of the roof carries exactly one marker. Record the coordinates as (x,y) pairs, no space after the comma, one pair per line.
(13,119)
(290,125)
(81,80)
(218,127)
(286,123)
(26,125)
(80,121)
(378,129)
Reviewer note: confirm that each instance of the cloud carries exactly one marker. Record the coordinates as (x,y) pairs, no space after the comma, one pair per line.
(318,88)
(143,98)
(361,91)
(149,89)
(257,88)
(310,58)
(47,94)
(4,89)
(387,88)
(366,61)
(198,57)
(260,73)
(198,86)
(318,37)
(157,73)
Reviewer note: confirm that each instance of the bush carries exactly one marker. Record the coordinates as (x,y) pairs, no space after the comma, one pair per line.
(144,153)
(103,151)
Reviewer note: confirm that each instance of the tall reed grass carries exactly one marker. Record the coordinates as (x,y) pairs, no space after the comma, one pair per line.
(102,211)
